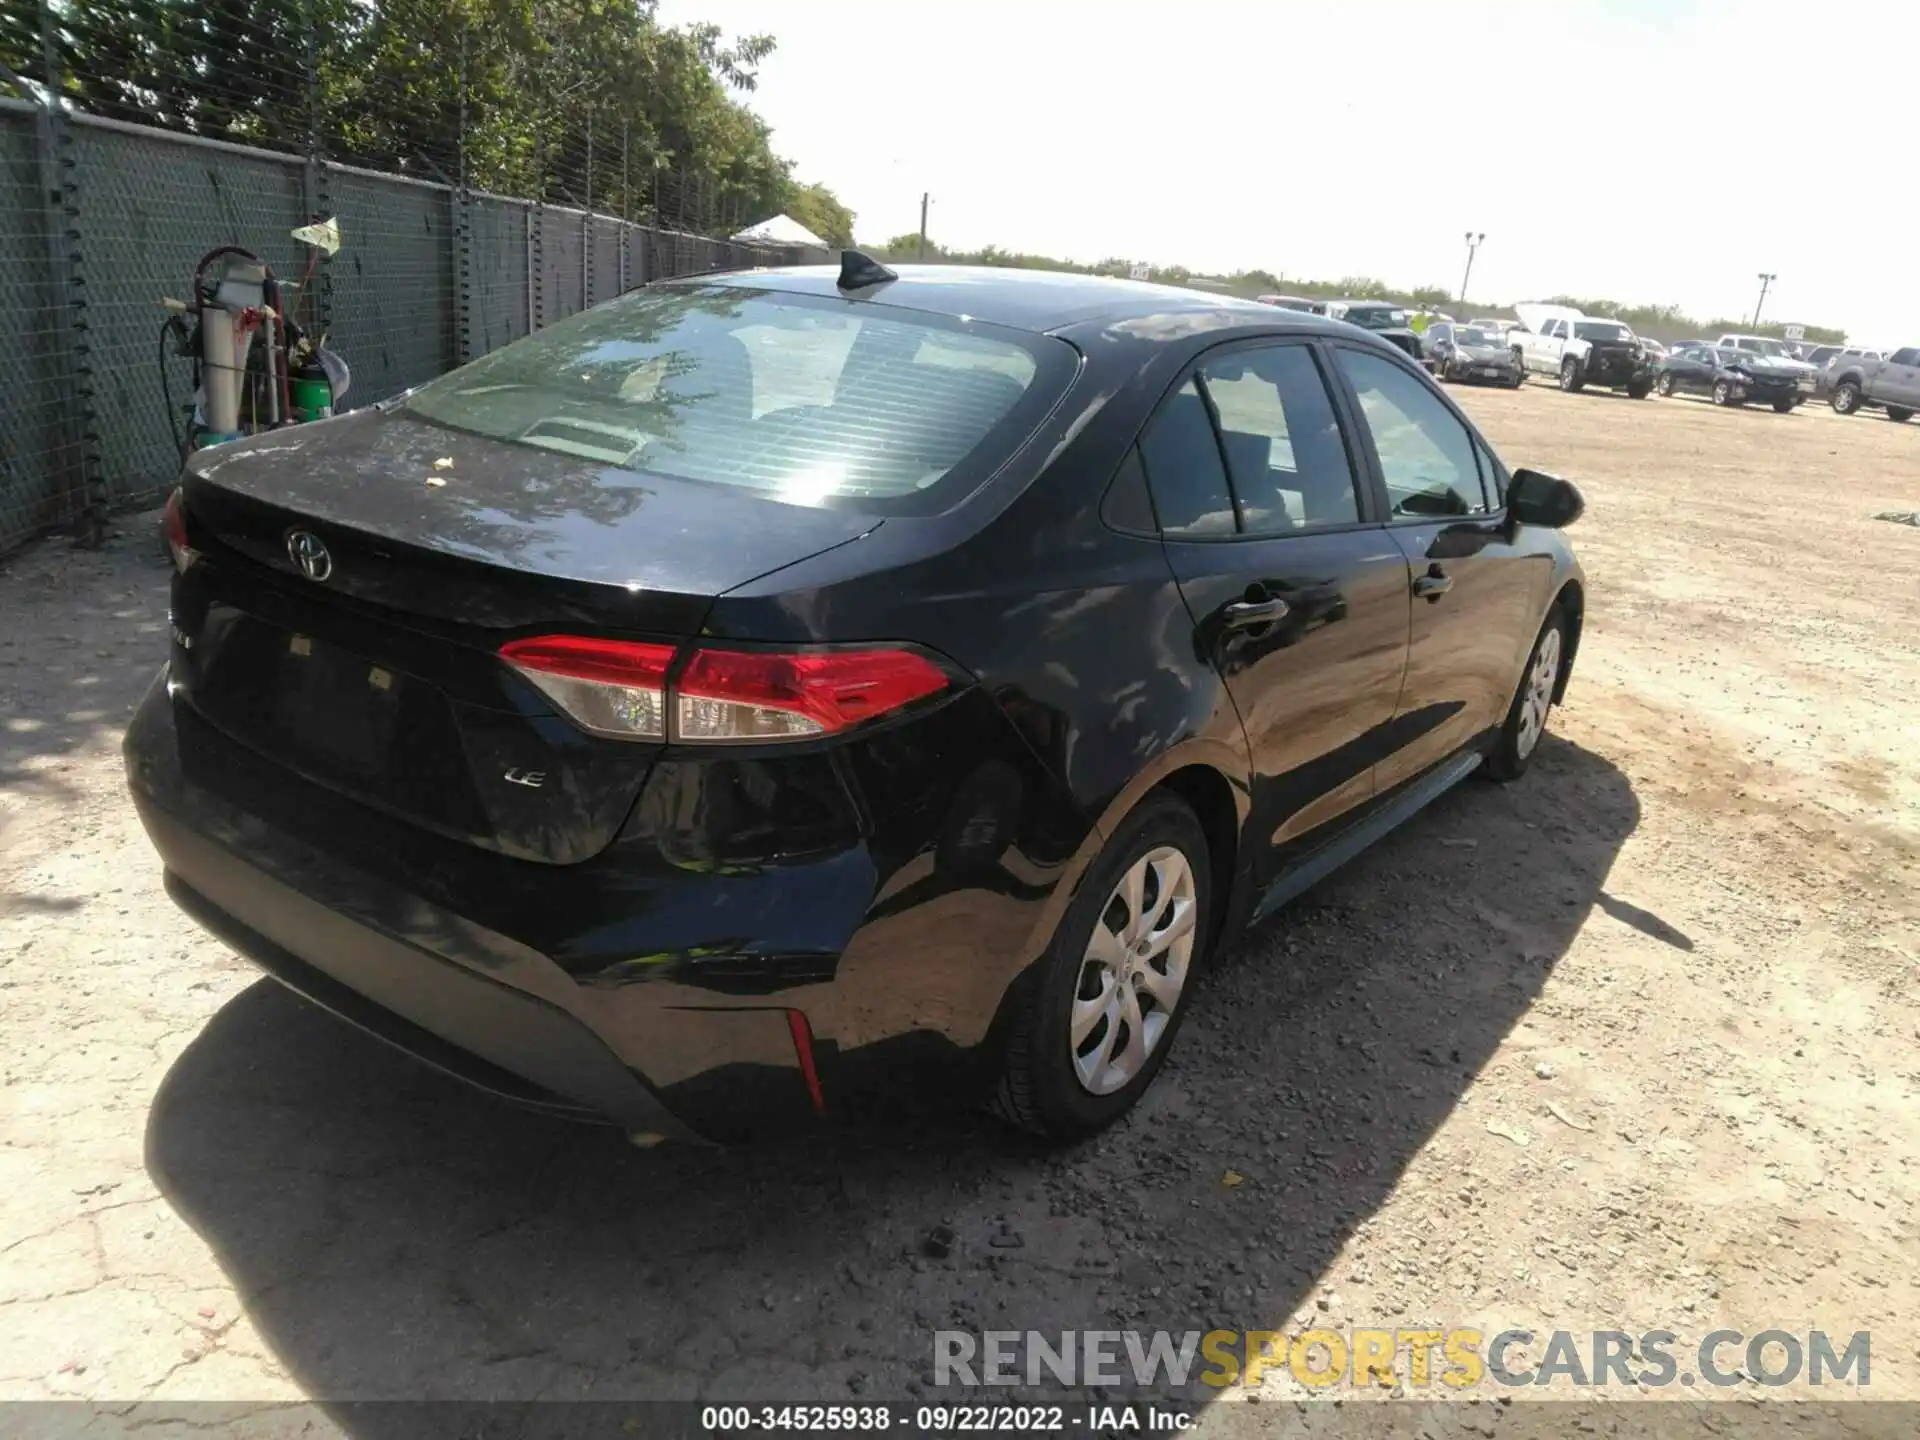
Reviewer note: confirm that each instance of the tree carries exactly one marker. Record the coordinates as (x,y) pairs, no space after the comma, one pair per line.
(820,210)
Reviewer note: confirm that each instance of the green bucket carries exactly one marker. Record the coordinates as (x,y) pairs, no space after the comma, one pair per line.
(312,399)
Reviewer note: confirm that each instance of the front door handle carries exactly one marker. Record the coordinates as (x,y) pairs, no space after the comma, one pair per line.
(1432,585)
(1243,614)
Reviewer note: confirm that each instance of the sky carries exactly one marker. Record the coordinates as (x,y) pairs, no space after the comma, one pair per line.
(1634,150)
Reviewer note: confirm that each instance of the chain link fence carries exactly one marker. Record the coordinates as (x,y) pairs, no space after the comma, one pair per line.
(102,215)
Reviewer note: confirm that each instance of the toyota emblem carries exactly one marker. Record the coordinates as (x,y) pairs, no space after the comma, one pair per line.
(309,553)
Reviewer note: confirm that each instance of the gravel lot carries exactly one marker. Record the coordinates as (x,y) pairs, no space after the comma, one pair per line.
(1631,1044)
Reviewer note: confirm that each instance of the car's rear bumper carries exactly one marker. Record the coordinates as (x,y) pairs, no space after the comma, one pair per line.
(667,995)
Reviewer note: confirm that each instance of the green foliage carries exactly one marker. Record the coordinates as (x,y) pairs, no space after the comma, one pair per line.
(820,210)
(515,94)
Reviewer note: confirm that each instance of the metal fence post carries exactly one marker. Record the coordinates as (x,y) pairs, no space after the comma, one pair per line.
(586,227)
(82,503)
(626,213)
(536,259)
(462,233)
(314,189)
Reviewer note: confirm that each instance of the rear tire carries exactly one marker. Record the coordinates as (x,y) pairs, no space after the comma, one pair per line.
(1066,1088)
(1570,380)
(1527,716)
(1899,414)
(1846,397)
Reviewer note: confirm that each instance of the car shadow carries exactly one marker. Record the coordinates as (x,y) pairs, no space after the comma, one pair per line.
(392,1235)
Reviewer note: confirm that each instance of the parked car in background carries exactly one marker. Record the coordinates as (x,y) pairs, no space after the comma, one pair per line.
(1389,322)
(615,777)
(1290,302)
(1656,351)
(1466,352)
(1499,324)
(1580,350)
(1892,384)
(1729,376)
(1773,349)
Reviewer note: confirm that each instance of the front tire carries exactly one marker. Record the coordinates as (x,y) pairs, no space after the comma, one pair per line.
(1665,386)
(1846,398)
(1095,1018)
(1784,406)
(1899,414)
(1526,719)
(1639,389)
(1723,393)
(1570,380)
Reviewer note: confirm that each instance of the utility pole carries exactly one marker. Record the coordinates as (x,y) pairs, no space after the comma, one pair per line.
(1765,281)
(925,200)
(1473,244)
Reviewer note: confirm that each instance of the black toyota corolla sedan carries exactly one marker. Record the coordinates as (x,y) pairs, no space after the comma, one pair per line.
(770,690)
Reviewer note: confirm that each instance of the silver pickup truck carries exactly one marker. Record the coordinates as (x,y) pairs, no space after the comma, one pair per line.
(1892,384)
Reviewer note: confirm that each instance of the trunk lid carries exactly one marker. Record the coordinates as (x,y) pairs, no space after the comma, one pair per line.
(347,615)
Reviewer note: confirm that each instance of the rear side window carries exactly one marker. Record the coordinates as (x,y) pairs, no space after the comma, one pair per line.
(1426,454)
(1182,457)
(1285,454)
(812,401)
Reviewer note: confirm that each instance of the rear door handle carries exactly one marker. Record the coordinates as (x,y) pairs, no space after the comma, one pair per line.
(1432,585)
(1243,614)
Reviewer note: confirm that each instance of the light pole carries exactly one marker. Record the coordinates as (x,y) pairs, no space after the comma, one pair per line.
(925,200)
(1765,280)
(1473,244)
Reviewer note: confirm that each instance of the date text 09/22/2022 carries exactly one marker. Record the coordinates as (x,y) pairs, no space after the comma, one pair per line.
(957,1419)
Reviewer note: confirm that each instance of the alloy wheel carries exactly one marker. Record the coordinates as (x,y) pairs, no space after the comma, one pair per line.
(1133,971)
(1539,694)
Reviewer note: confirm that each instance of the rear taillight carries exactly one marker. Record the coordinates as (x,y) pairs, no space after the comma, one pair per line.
(753,695)
(620,688)
(611,687)
(173,522)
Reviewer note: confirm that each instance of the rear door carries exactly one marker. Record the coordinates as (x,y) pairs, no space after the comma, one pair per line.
(1900,383)
(1297,594)
(1474,592)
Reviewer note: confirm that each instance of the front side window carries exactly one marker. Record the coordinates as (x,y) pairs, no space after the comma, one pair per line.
(1285,454)
(1908,356)
(812,402)
(1426,454)
(1556,330)
(1184,469)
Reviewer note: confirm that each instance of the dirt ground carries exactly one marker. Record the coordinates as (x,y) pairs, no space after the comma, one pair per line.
(1631,1044)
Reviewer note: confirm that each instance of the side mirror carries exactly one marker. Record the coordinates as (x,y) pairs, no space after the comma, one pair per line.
(1536,498)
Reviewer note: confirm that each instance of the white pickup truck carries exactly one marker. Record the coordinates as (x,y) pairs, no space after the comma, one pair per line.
(1580,350)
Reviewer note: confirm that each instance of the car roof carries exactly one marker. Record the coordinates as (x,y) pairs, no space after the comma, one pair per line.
(1038,300)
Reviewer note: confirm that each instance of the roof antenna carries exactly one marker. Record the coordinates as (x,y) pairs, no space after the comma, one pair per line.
(857,271)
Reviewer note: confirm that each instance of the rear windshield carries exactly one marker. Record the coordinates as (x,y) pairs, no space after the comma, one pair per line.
(812,400)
